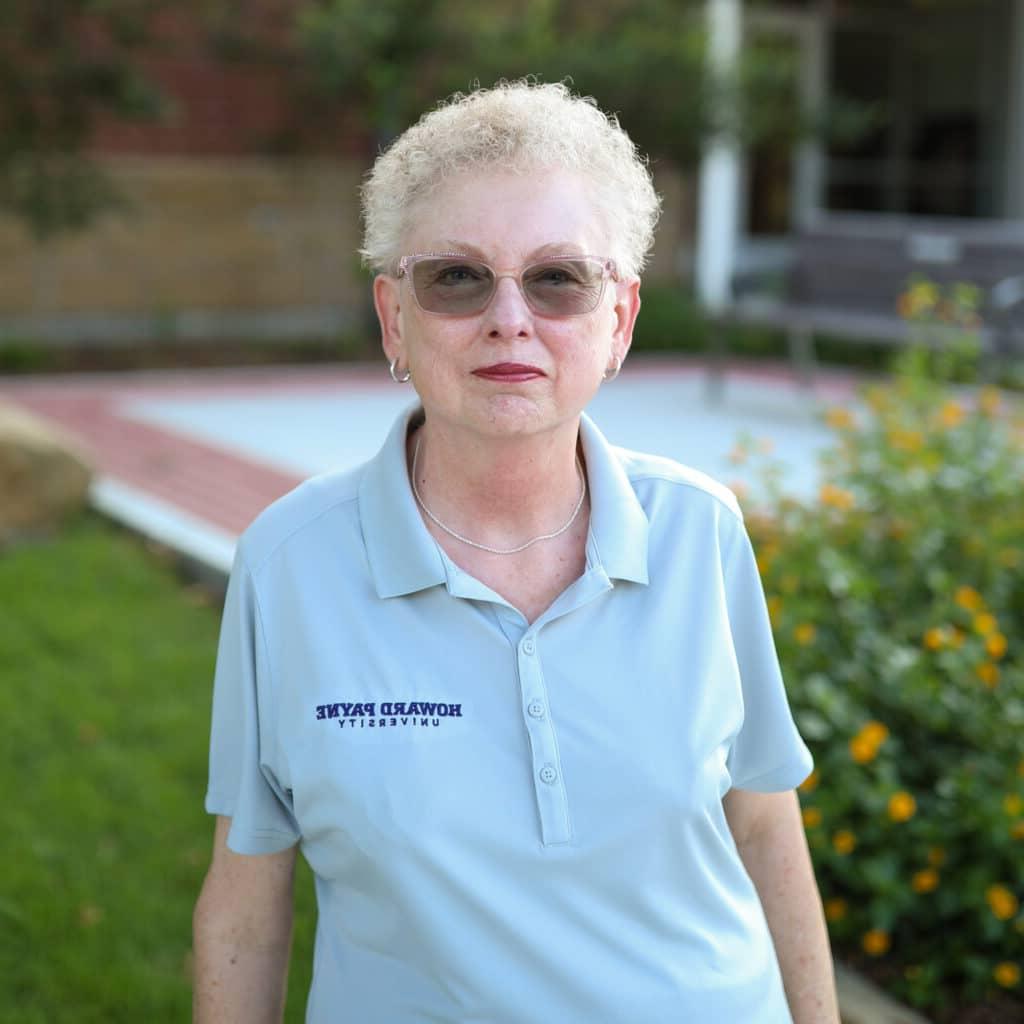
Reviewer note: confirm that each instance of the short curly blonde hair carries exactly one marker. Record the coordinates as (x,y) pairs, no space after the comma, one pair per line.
(517,126)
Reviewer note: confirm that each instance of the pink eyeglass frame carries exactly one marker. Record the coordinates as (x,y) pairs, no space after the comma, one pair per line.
(609,269)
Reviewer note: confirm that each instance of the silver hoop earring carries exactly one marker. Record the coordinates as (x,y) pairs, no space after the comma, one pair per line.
(404,379)
(614,371)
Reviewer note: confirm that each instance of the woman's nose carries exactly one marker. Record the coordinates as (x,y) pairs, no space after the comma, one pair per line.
(508,314)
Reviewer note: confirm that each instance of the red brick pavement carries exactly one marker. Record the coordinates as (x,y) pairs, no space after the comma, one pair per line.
(223,488)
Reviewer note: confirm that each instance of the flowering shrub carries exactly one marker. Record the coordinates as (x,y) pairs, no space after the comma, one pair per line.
(898,606)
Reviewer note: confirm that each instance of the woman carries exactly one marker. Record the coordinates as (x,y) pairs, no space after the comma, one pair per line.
(511,689)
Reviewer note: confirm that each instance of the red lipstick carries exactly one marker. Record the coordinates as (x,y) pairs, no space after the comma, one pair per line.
(509,372)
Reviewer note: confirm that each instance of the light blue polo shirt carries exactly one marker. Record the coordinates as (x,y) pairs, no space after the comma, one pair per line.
(509,823)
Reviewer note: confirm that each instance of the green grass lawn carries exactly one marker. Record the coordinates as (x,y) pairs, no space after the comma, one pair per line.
(106,665)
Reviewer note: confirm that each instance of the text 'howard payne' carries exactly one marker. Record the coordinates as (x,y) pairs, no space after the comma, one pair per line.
(370,714)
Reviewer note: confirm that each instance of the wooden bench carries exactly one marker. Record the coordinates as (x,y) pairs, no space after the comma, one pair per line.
(848,271)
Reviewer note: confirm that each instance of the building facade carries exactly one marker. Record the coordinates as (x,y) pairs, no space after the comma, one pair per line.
(934,91)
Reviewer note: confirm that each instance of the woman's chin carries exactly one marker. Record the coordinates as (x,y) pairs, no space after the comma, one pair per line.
(516,415)
(503,415)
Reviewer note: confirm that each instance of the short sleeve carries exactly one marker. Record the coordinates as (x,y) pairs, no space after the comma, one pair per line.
(767,754)
(244,783)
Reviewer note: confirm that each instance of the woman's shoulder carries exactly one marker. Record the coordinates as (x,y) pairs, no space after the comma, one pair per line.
(296,516)
(687,483)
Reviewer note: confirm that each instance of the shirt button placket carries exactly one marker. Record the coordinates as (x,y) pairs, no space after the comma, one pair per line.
(551,797)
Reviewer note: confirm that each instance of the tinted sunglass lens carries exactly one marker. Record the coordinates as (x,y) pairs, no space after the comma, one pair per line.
(564,287)
(452,286)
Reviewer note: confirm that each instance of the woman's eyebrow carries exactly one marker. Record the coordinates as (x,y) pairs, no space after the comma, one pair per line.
(557,249)
(451,245)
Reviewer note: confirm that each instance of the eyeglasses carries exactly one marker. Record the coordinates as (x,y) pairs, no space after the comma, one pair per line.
(450,284)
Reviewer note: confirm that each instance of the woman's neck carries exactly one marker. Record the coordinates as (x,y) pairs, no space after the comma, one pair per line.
(498,492)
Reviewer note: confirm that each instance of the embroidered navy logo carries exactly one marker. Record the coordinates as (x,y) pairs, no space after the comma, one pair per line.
(388,714)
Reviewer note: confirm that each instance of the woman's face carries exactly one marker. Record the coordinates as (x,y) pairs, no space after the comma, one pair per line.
(506,371)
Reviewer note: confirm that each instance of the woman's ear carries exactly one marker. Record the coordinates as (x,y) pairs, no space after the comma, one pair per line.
(627,305)
(386,292)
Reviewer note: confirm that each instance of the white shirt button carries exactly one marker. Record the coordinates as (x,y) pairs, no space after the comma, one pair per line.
(548,774)
(535,709)
(529,646)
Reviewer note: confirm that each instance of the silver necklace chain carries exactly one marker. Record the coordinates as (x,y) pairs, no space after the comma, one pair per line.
(484,547)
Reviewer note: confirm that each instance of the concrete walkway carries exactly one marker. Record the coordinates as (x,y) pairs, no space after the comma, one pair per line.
(190,458)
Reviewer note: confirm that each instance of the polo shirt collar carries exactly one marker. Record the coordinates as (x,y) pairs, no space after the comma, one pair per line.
(404,558)
(618,524)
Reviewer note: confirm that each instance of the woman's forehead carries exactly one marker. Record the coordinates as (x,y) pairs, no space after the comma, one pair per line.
(546,250)
(496,214)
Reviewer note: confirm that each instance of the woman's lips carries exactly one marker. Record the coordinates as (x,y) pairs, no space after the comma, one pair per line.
(509,372)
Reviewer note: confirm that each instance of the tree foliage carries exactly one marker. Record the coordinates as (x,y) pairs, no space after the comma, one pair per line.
(64,63)
(644,60)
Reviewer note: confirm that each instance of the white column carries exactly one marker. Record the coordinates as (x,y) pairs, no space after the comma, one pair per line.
(719,182)
(1014,204)
(809,166)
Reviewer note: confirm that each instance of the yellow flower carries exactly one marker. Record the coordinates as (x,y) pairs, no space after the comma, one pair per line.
(844,842)
(995,644)
(862,751)
(989,400)
(1006,974)
(905,440)
(835,909)
(902,806)
(925,881)
(986,624)
(952,414)
(812,817)
(956,637)
(805,634)
(968,598)
(810,784)
(1001,902)
(839,418)
(875,942)
(936,856)
(875,732)
(864,746)
(835,497)
(1013,805)
(1017,830)
(934,638)
(988,674)
(774,609)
